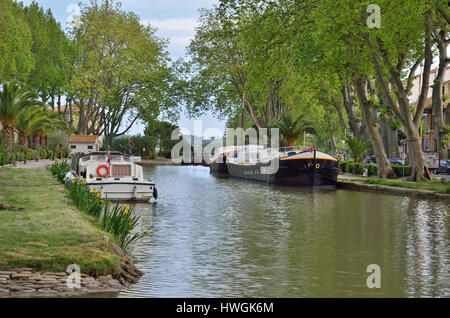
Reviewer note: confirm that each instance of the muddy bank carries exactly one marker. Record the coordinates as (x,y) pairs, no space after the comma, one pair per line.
(158,162)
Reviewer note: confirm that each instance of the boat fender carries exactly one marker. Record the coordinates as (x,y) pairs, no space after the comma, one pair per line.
(317,166)
(155,193)
(100,174)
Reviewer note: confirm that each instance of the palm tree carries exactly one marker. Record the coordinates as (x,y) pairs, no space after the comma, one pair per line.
(13,98)
(357,146)
(46,121)
(291,130)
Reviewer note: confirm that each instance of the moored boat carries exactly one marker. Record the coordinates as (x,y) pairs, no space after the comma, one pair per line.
(292,167)
(116,174)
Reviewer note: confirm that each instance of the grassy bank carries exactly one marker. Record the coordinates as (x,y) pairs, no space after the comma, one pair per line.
(437,186)
(50,233)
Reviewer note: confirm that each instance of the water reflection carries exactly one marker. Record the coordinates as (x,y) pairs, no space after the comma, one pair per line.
(216,237)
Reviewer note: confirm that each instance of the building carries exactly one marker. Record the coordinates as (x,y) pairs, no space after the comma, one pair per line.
(84,143)
(427,132)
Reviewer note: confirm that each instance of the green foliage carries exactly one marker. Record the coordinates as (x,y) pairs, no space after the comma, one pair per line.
(162,130)
(16,59)
(357,146)
(441,187)
(59,170)
(120,221)
(127,71)
(291,129)
(138,144)
(402,171)
(117,220)
(350,166)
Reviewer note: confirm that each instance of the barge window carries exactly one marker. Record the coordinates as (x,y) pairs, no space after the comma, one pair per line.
(121,170)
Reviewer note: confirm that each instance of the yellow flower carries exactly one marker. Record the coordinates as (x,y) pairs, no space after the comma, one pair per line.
(93,190)
(64,179)
(102,201)
(129,231)
(147,231)
(98,195)
(84,180)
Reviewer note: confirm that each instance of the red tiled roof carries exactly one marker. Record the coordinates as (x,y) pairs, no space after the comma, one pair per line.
(83,139)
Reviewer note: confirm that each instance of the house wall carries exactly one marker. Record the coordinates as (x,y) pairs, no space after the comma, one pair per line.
(82,147)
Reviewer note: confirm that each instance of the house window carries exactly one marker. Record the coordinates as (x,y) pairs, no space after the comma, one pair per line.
(73,146)
(90,147)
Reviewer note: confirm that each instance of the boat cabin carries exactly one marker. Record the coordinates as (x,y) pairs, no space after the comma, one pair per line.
(94,166)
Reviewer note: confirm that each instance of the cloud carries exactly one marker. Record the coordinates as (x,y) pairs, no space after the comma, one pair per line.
(185,25)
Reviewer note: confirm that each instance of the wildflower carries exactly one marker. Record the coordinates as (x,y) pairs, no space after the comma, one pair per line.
(93,190)
(147,231)
(64,179)
(129,231)
(98,194)
(102,201)
(83,181)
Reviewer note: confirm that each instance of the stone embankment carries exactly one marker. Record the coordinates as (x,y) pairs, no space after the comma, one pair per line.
(418,193)
(25,282)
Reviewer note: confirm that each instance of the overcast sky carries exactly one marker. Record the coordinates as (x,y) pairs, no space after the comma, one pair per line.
(175,20)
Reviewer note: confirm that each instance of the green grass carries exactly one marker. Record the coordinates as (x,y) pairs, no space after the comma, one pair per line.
(437,186)
(50,233)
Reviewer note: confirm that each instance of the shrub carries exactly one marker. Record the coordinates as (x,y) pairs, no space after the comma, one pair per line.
(343,164)
(4,158)
(167,153)
(43,153)
(357,168)
(402,171)
(373,169)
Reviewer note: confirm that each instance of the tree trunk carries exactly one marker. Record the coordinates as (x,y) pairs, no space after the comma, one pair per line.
(367,109)
(36,141)
(8,132)
(437,97)
(42,141)
(390,137)
(352,110)
(108,139)
(23,140)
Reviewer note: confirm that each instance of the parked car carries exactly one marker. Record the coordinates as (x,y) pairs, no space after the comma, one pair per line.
(395,161)
(444,168)
(370,159)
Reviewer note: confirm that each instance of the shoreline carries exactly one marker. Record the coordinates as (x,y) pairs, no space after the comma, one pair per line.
(33,262)
(390,190)
(25,282)
(158,162)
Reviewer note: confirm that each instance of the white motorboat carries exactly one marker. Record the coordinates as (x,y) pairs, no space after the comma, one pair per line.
(116,174)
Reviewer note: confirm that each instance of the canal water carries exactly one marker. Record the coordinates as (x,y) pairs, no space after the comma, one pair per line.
(222,237)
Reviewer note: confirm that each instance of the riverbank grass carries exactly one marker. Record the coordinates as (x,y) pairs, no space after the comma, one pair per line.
(437,186)
(49,233)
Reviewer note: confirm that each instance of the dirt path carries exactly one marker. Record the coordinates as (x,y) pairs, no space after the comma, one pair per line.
(33,164)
